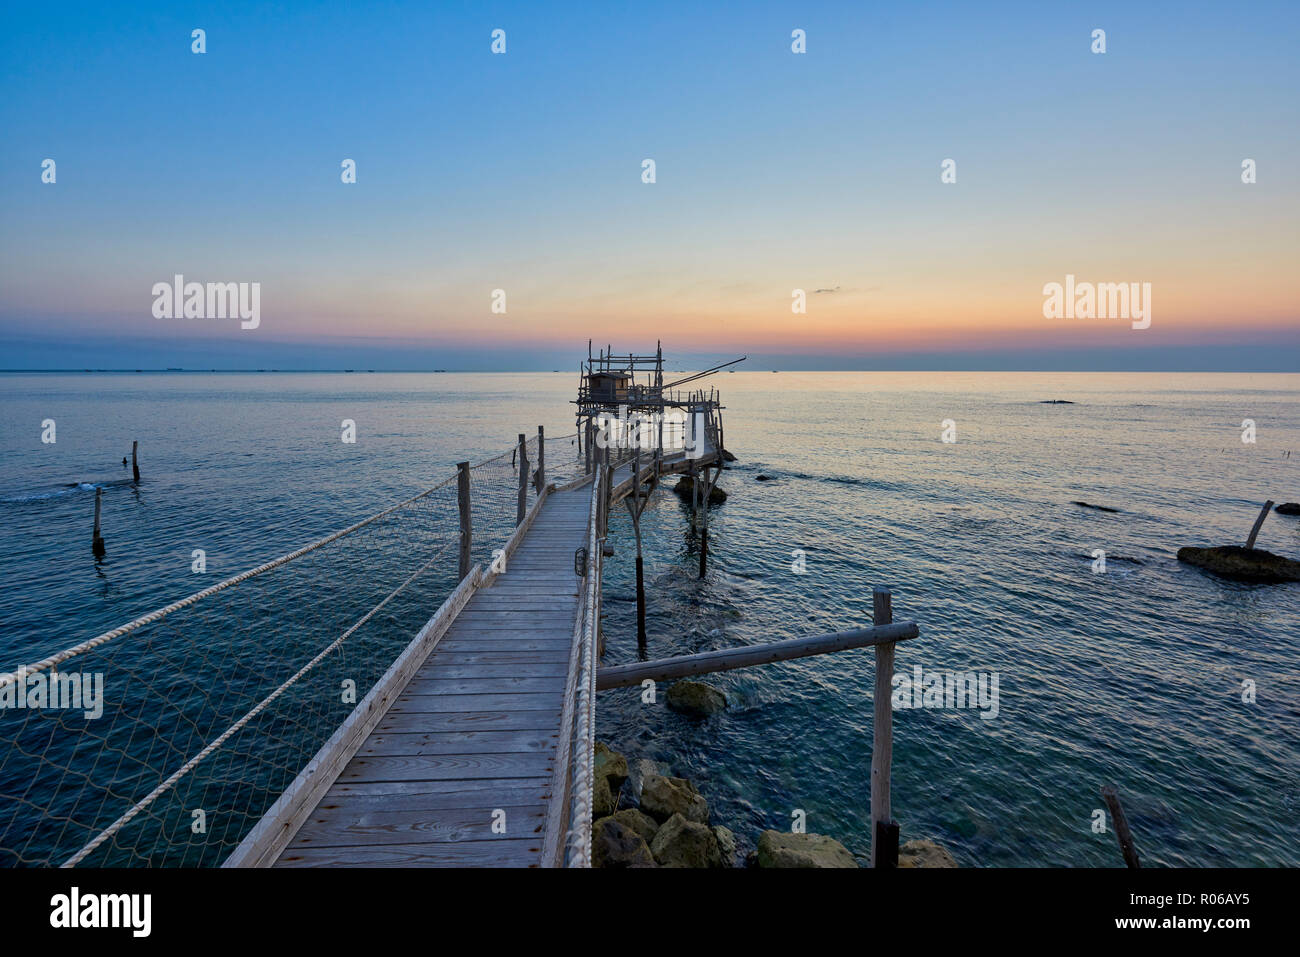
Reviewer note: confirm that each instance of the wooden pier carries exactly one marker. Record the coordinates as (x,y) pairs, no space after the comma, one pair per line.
(475,748)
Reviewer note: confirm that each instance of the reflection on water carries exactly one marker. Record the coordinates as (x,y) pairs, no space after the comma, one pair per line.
(1133,676)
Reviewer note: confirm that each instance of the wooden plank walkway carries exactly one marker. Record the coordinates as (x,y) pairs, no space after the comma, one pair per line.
(475,730)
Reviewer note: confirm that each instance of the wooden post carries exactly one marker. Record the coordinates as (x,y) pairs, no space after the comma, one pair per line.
(1122,833)
(522,508)
(96,542)
(541,459)
(1263,514)
(135,465)
(882,736)
(466,521)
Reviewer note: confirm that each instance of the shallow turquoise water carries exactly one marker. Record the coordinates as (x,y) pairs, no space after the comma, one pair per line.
(1132,677)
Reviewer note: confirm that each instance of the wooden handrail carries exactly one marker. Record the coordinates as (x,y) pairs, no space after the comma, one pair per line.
(726,659)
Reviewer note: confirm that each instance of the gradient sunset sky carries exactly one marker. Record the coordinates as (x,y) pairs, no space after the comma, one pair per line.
(775,171)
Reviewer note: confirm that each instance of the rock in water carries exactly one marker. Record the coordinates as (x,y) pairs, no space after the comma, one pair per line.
(1287,508)
(614,845)
(726,845)
(727,456)
(685,489)
(924,854)
(1242,564)
(638,821)
(602,798)
(662,797)
(779,849)
(610,765)
(1100,508)
(696,698)
(683,843)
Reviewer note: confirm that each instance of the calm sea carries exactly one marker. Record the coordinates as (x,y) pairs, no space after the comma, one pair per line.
(1133,677)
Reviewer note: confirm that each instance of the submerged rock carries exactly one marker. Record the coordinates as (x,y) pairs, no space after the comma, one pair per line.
(602,798)
(727,456)
(696,698)
(638,821)
(1100,508)
(924,854)
(1055,402)
(685,489)
(662,797)
(1242,564)
(726,845)
(610,765)
(762,478)
(683,843)
(1287,508)
(780,849)
(615,845)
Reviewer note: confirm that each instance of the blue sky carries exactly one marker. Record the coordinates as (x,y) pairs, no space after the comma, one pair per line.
(775,171)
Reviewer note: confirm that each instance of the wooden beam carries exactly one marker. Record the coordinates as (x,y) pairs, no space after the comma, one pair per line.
(727,659)
(1263,514)
(882,733)
(1125,837)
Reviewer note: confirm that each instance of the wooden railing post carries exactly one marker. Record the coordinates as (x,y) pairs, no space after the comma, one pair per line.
(466,523)
(541,459)
(522,508)
(882,740)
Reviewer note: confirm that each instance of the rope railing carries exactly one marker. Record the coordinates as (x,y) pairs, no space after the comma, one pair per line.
(208,707)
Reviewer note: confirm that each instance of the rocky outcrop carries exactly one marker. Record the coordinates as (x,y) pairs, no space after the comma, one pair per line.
(726,845)
(615,845)
(638,821)
(780,849)
(924,854)
(683,843)
(1242,564)
(602,798)
(610,765)
(696,698)
(662,797)
(1287,508)
(685,489)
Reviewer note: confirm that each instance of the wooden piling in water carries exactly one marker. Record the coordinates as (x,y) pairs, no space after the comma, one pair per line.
(521,509)
(135,465)
(541,460)
(882,739)
(466,518)
(1254,532)
(96,541)
(1122,834)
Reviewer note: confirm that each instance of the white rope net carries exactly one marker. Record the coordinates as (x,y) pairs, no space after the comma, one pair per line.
(211,705)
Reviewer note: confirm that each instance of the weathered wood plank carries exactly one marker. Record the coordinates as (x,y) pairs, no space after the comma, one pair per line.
(447,767)
(508,852)
(438,703)
(416,720)
(337,827)
(460,742)
(484,685)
